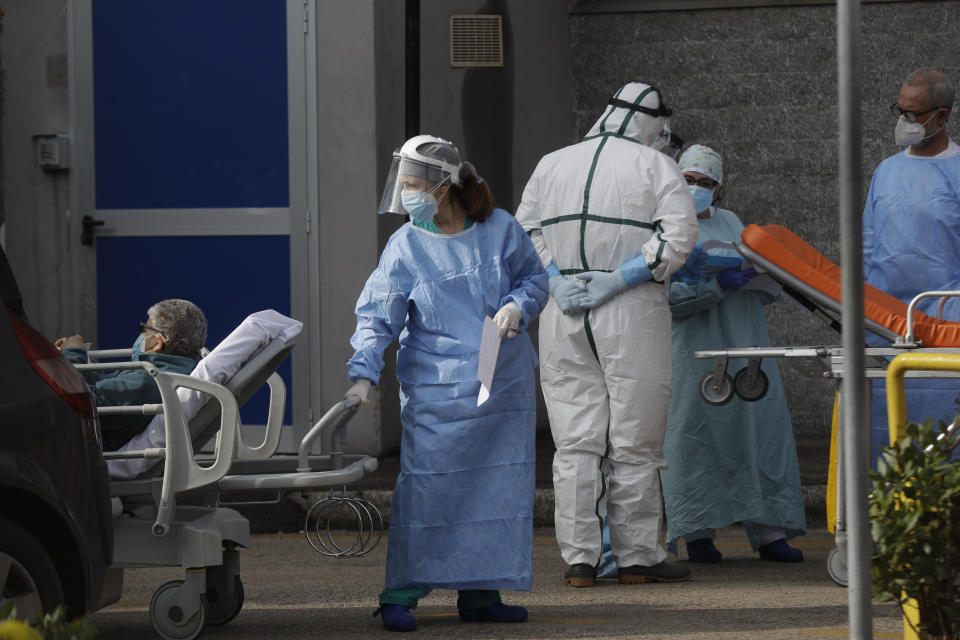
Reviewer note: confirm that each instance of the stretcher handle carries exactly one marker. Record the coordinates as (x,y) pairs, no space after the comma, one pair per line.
(909,338)
(333,420)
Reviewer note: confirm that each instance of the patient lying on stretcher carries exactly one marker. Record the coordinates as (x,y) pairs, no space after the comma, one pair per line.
(170,339)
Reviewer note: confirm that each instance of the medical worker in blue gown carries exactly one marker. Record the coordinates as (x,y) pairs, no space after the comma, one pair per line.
(911,231)
(736,462)
(462,514)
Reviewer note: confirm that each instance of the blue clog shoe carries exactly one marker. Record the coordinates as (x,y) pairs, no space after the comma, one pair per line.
(396,617)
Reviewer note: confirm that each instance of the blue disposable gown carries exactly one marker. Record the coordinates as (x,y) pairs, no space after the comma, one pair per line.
(736,462)
(911,243)
(462,513)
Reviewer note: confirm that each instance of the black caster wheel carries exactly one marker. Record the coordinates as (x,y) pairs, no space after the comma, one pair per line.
(751,390)
(225,607)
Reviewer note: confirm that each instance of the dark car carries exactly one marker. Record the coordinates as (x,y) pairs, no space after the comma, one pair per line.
(56,534)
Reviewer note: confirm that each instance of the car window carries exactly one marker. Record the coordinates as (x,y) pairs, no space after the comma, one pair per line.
(8,286)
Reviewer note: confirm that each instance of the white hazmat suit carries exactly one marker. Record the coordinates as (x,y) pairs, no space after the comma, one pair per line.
(606,372)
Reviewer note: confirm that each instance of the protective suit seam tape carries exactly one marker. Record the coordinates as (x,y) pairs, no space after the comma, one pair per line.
(589,333)
(572,272)
(603,124)
(577,217)
(613,134)
(586,203)
(663,243)
(630,114)
(603,492)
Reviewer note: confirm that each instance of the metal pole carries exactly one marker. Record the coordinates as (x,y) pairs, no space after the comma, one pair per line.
(856,431)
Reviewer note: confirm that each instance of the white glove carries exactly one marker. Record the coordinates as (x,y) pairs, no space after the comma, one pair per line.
(508,319)
(358,390)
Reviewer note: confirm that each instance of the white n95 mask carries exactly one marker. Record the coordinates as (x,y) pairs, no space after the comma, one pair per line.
(908,132)
(911,133)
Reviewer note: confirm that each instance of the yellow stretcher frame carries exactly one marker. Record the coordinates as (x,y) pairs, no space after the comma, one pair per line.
(897,418)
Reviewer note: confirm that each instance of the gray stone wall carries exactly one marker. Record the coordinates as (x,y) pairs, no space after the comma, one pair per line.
(760,86)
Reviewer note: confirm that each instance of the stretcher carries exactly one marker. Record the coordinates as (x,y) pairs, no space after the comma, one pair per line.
(814,282)
(171,498)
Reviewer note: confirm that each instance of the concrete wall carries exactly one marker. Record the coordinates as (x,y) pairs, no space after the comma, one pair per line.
(503,119)
(36,203)
(759,85)
(347,186)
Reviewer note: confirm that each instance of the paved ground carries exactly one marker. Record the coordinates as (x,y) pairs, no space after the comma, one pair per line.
(292,592)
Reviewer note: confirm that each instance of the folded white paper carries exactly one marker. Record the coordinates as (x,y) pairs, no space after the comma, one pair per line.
(489,348)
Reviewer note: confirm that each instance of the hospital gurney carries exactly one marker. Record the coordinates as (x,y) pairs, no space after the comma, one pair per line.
(172,500)
(814,281)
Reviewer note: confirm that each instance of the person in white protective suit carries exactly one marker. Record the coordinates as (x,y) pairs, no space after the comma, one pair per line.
(611,218)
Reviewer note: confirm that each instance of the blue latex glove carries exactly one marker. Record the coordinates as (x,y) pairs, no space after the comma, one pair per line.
(565,291)
(602,285)
(735,279)
(692,270)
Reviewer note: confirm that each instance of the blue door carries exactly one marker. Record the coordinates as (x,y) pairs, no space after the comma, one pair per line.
(191,163)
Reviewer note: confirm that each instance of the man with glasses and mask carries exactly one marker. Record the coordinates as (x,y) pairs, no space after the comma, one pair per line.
(170,339)
(911,229)
(611,218)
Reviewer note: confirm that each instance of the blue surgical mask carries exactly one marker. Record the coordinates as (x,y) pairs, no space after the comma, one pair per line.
(702,198)
(137,347)
(421,206)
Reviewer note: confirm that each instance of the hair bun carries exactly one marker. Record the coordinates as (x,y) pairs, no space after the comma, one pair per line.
(467,169)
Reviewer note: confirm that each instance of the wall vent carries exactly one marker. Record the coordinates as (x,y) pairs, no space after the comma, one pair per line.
(476,41)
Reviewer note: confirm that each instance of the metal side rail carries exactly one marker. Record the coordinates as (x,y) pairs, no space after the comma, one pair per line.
(266,479)
(303,471)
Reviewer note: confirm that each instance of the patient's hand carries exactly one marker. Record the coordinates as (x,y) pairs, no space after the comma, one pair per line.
(72,341)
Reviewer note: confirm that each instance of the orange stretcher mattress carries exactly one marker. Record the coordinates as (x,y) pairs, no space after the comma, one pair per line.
(795,257)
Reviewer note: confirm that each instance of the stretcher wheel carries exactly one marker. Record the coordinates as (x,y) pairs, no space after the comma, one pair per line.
(746,390)
(836,568)
(167,617)
(224,607)
(714,393)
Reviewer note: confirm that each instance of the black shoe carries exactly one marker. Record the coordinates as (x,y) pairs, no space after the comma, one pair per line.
(780,551)
(662,572)
(580,575)
(703,550)
(496,612)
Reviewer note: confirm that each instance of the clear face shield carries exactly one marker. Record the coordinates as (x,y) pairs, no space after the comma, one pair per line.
(413,175)
(663,139)
(673,146)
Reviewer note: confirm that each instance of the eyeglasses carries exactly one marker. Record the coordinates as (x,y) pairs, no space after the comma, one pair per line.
(705,183)
(144,327)
(909,116)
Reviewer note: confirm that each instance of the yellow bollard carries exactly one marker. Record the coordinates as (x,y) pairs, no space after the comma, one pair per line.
(911,620)
(832,468)
(897,418)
